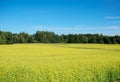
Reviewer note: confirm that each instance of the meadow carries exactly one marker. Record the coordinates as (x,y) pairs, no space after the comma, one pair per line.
(60,63)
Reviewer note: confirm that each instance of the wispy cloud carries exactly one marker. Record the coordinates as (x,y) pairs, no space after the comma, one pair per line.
(116,22)
(52,28)
(112,17)
(81,29)
(113,27)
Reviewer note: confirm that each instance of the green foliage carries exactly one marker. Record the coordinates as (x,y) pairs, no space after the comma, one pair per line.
(51,37)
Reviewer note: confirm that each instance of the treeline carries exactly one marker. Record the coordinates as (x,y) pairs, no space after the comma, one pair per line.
(51,37)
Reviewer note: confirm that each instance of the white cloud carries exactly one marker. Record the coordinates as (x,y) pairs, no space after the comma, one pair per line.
(112,17)
(109,30)
(53,28)
(74,28)
(113,27)
(116,22)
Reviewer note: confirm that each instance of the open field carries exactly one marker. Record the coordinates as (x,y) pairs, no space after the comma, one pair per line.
(60,63)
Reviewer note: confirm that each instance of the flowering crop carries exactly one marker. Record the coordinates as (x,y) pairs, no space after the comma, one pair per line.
(59,63)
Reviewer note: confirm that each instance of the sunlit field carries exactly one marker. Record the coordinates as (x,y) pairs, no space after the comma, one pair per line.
(60,63)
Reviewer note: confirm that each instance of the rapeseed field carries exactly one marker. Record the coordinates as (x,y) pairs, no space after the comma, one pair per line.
(60,63)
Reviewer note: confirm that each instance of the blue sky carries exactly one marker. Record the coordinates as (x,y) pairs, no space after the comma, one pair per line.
(61,16)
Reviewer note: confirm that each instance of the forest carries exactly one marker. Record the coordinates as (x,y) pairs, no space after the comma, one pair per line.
(51,37)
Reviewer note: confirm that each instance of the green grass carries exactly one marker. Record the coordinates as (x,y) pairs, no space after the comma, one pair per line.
(60,63)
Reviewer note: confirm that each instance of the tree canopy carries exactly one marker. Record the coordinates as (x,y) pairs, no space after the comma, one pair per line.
(51,37)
